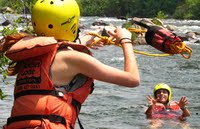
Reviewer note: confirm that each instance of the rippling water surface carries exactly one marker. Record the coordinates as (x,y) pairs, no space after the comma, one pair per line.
(115,107)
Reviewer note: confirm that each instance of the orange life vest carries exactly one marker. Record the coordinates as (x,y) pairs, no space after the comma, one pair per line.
(172,112)
(35,97)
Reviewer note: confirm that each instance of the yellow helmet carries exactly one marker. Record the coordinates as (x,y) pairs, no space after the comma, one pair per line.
(57,18)
(163,86)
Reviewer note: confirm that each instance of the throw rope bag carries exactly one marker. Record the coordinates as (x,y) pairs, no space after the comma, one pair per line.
(164,40)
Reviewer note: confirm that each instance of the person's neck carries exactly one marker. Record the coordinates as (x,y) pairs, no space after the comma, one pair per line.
(166,105)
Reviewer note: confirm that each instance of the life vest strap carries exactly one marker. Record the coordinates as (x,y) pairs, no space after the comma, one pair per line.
(39,92)
(76,104)
(52,118)
(46,92)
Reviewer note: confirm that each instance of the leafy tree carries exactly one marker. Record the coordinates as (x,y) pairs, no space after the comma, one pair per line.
(188,10)
(184,9)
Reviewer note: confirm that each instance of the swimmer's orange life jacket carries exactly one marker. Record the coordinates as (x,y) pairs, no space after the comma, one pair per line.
(172,112)
(159,37)
(36,98)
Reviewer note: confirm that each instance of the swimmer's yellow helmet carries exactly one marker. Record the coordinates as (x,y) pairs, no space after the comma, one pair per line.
(163,86)
(57,18)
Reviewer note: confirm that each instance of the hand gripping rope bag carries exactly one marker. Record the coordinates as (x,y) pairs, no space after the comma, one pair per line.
(164,40)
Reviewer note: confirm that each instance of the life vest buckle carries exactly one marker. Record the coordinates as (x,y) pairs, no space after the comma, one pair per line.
(57,119)
(58,93)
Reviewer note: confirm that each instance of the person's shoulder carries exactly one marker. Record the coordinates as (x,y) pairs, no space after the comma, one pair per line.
(68,52)
(71,54)
(173,102)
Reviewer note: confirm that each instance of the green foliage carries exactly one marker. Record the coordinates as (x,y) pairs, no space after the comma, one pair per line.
(182,9)
(8,31)
(2,95)
(20,7)
(128,25)
(3,3)
(161,15)
(157,21)
(188,10)
(3,63)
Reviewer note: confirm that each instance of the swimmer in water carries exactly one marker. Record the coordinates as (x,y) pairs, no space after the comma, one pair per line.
(161,105)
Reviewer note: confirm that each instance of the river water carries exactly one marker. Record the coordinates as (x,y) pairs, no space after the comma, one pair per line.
(115,107)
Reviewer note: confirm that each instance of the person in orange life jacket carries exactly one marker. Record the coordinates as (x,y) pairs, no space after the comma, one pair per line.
(53,82)
(161,105)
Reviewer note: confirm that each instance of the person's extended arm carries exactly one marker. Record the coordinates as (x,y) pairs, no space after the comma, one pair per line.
(185,112)
(123,37)
(93,68)
(149,112)
(151,102)
(182,103)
